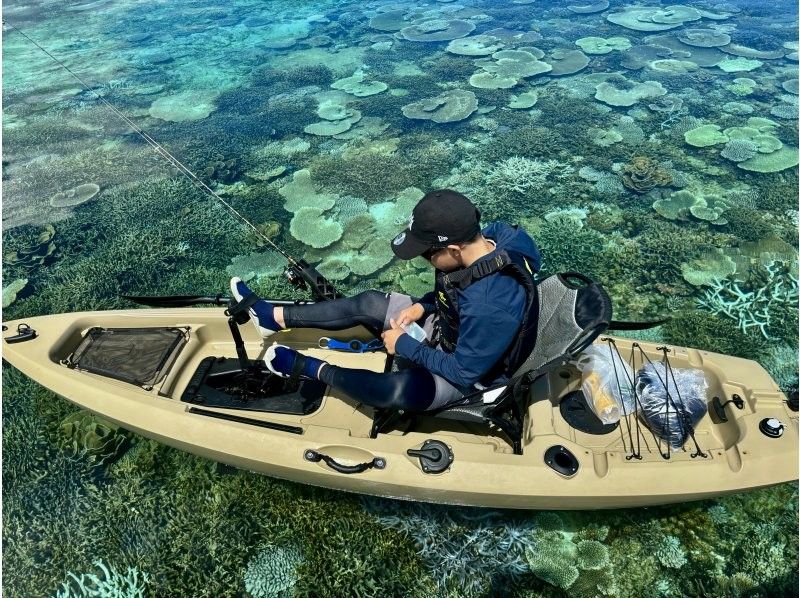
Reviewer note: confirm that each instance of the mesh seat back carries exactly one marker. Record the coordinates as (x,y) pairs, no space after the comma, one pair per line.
(571,316)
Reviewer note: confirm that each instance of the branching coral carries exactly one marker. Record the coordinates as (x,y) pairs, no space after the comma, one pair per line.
(754,308)
(670,553)
(109,582)
(523,175)
(461,551)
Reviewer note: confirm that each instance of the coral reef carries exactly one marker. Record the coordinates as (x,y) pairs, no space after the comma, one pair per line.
(32,250)
(754,308)
(272,572)
(702,330)
(231,91)
(461,550)
(641,174)
(11,291)
(108,582)
(74,197)
(523,175)
(561,559)
(86,436)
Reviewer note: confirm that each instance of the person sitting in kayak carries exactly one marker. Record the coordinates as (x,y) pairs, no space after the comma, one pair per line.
(478,318)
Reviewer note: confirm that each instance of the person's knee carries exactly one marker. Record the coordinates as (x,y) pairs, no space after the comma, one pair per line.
(372,303)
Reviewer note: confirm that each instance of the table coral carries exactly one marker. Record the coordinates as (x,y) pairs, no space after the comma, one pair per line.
(568,562)
(437,30)
(357,86)
(449,106)
(310,227)
(184,106)
(263,264)
(585,9)
(475,45)
(566,62)
(11,291)
(302,192)
(627,93)
(524,100)
(708,268)
(704,38)
(739,150)
(76,196)
(782,159)
(705,136)
(603,45)
(784,111)
(737,65)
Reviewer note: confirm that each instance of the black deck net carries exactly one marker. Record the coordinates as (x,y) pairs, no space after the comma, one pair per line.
(140,356)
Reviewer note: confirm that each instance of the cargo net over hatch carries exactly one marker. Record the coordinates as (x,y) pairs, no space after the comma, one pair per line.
(667,402)
(140,356)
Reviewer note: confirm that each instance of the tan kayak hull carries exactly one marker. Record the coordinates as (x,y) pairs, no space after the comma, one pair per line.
(484,471)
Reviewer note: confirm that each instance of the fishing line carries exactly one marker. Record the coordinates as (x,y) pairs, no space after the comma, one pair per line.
(159,149)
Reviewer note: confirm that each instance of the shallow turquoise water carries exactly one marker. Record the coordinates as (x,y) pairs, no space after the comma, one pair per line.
(642,158)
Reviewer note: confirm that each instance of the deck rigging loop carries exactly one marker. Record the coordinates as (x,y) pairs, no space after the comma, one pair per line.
(159,149)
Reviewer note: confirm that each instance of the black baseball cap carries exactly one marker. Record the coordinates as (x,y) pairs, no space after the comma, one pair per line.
(441,218)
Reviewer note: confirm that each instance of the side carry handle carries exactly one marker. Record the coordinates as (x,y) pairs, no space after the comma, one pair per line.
(315,457)
(24,333)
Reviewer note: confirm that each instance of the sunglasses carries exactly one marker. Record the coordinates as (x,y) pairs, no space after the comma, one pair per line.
(431,251)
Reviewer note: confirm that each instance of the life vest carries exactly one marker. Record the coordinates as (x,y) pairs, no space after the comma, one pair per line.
(447,290)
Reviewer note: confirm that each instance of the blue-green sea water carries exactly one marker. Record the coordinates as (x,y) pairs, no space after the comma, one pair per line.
(652,146)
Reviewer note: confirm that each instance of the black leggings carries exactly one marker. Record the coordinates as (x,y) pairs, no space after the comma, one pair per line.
(365,309)
(413,388)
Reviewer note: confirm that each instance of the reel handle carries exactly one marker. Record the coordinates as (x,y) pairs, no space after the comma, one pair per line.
(302,275)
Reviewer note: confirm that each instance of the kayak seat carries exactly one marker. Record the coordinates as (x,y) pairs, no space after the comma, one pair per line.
(573,311)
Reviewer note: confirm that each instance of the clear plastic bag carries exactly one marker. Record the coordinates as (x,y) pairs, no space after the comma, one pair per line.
(670,419)
(607,390)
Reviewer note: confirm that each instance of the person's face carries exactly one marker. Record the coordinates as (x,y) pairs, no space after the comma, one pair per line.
(445,259)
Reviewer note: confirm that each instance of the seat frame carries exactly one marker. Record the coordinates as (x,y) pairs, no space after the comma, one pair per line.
(506,412)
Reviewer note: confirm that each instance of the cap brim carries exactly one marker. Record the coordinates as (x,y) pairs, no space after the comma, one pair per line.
(409,247)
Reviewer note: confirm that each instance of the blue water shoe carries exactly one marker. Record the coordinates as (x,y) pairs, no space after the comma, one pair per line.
(281,361)
(261,314)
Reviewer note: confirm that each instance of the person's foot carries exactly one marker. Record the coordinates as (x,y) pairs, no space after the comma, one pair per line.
(281,360)
(262,312)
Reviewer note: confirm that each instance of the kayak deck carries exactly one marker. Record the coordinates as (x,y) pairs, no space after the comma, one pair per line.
(484,471)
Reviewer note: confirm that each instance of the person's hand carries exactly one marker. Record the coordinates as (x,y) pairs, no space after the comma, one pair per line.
(390,336)
(410,314)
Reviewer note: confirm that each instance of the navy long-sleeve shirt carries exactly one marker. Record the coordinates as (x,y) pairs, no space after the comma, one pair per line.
(490,313)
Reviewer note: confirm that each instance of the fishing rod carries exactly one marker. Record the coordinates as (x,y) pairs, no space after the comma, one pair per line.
(299,273)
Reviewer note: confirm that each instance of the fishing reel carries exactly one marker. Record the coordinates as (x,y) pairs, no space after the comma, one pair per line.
(302,275)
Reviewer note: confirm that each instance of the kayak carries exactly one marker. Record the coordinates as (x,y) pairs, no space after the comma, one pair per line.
(175,375)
